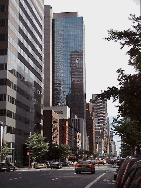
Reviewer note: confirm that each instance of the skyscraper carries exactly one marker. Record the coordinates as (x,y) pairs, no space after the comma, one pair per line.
(21,70)
(69,81)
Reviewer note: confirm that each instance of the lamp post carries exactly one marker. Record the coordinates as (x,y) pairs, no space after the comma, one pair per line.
(29,148)
(1,124)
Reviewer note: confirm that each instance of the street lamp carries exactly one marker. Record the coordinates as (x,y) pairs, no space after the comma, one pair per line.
(1,124)
(29,148)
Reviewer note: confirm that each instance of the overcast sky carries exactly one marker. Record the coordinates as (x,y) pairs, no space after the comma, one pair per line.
(102,58)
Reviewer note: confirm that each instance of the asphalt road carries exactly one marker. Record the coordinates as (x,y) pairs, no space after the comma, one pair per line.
(58,178)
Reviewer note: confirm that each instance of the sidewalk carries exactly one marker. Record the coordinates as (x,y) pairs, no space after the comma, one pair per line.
(26,168)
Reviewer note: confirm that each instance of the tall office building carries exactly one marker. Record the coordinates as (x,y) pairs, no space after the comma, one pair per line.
(69,79)
(21,71)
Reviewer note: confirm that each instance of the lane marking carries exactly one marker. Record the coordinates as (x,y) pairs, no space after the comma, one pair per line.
(93,182)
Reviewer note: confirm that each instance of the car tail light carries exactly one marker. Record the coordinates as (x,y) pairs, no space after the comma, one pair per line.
(76,165)
(90,166)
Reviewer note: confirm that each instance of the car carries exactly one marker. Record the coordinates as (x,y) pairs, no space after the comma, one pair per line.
(111,161)
(56,165)
(64,163)
(40,165)
(84,166)
(133,176)
(6,167)
(94,161)
(124,169)
(101,161)
(119,163)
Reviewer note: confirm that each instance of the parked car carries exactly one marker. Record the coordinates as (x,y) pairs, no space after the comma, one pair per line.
(6,167)
(40,165)
(85,166)
(123,170)
(56,165)
(119,163)
(64,163)
(133,177)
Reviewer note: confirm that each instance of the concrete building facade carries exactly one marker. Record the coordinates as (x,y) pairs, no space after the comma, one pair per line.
(48,56)
(21,71)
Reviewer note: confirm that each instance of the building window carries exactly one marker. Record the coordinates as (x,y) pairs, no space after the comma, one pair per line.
(3,51)
(3,37)
(2,8)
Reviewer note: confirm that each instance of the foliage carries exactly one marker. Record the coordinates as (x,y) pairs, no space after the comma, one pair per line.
(95,153)
(5,150)
(65,151)
(53,152)
(37,146)
(128,91)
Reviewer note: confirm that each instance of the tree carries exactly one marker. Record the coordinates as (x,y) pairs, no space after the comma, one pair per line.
(5,150)
(54,152)
(65,151)
(94,153)
(37,146)
(127,124)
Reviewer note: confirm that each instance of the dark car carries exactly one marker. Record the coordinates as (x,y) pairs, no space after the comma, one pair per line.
(85,166)
(56,165)
(125,167)
(6,167)
(133,176)
(119,163)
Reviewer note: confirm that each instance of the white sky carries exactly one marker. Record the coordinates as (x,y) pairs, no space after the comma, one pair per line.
(102,58)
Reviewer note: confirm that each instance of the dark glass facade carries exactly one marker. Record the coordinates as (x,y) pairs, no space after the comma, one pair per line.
(69,84)
(21,70)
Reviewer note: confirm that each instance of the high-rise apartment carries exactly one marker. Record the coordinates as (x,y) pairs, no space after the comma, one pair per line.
(21,71)
(69,80)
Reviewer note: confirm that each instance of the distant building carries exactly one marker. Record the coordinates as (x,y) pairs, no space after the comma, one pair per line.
(90,126)
(65,133)
(100,112)
(51,126)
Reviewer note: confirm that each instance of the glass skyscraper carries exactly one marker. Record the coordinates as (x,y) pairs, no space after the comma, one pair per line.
(21,71)
(69,81)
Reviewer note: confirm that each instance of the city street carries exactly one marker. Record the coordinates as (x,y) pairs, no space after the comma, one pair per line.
(58,178)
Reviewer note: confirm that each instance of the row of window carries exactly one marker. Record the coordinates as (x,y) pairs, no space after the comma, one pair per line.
(17,117)
(22,68)
(7,82)
(25,55)
(16,131)
(3,51)
(3,66)
(3,37)
(3,22)
(19,76)
(3,8)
